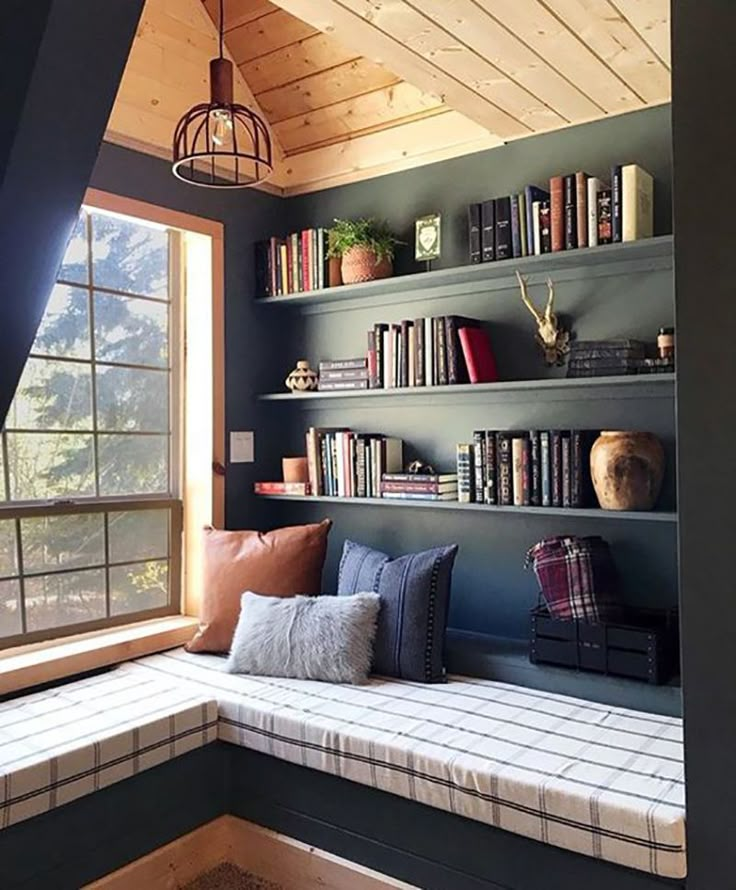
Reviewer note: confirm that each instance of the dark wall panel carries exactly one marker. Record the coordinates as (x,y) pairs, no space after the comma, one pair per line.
(642,137)
(57,128)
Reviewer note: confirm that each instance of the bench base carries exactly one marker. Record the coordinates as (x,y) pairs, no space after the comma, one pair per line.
(87,839)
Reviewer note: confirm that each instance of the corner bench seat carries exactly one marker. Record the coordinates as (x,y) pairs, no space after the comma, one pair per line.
(602,781)
(65,742)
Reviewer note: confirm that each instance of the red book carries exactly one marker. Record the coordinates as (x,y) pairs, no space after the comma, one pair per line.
(557,213)
(293,488)
(478,354)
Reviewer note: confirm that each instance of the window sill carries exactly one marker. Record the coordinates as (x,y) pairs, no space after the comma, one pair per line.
(24,666)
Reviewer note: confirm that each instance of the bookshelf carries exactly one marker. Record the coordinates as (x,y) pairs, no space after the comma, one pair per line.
(617,290)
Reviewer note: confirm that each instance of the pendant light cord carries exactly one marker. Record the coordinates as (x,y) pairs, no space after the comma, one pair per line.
(222,28)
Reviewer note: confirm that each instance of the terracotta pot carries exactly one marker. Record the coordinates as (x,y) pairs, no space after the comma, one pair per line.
(627,469)
(302,378)
(295,469)
(360,264)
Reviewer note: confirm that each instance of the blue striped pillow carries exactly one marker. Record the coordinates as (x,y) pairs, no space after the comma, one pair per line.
(415,595)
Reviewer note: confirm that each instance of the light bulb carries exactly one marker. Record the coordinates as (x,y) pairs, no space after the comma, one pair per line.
(222,126)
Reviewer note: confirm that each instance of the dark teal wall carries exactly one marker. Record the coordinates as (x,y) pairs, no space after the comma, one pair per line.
(643,137)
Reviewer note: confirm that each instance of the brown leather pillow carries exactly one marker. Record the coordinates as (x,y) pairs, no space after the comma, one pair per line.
(283,562)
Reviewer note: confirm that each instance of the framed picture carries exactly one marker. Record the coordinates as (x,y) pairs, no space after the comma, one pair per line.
(428,243)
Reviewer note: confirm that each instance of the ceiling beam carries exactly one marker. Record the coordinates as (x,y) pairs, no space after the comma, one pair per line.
(365,38)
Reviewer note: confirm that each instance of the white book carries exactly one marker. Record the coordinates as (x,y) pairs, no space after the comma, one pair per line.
(320,258)
(428,353)
(339,445)
(388,359)
(395,354)
(399,347)
(637,203)
(594,185)
(537,228)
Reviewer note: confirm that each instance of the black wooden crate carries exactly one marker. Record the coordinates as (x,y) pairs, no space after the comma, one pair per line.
(643,645)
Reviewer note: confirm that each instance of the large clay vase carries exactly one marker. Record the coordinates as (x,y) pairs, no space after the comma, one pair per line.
(627,470)
(360,264)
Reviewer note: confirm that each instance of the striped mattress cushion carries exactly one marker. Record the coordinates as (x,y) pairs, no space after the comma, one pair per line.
(602,781)
(70,740)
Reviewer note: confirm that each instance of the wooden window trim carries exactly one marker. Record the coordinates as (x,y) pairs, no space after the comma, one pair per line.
(35,663)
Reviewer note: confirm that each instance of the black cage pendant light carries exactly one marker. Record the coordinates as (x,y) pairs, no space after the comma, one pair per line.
(220,144)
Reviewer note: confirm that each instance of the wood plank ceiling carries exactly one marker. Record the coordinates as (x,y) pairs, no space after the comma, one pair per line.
(353,88)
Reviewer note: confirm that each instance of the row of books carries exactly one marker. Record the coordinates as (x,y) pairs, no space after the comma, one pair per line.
(438,351)
(538,468)
(343,463)
(612,358)
(292,264)
(577,210)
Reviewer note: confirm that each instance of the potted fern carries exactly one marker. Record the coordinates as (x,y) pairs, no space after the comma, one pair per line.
(365,247)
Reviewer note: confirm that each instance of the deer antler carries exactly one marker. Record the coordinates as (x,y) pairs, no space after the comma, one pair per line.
(550,308)
(525,297)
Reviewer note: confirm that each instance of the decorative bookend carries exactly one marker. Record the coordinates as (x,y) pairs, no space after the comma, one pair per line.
(551,335)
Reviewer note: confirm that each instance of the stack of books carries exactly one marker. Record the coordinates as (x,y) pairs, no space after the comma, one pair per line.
(343,374)
(538,468)
(438,351)
(605,358)
(419,487)
(292,264)
(576,210)
(343,463)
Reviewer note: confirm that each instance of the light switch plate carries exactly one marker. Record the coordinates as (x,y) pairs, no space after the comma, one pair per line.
(242,447)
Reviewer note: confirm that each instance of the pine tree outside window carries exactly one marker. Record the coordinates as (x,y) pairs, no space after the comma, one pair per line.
(90,509)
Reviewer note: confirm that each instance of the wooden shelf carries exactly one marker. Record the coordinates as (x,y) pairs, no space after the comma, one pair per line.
(641,386)
(506,660)
(561,512)
(650,254)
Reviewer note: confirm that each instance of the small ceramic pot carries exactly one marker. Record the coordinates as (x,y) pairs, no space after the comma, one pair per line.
(627,470)
(360,264)
(302,378)
(295,469)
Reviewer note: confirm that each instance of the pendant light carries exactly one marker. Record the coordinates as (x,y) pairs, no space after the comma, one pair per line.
(220,144)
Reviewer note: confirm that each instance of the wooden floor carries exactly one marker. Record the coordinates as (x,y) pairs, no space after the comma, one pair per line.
(232,854)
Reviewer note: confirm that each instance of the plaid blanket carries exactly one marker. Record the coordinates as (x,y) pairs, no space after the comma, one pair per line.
(577,577)
(602,781)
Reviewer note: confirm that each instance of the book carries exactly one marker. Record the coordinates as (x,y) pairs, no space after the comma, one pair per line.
(518,465)
(488,235)
(536,228)
(441,351)
(532,193)
(545,469)
(504,470)
(555,462)
(343,364)
(535,470)
(557,213)
(594,184)
(419,487)
(306,261)
(405,496)
(565,460)
(503,228)
(340,385)
(478,354)
(637,203)
(292,488)
(544,230)
(581,205)
(479,465)
(581,484)
(350,374)
(465,473)
(379,331)
(571,213)
(405,358)
(523,224)
(490,493)
(605,219)
(515,227)
(420,361)
(262,271)
(436,478)
(412,356)
(373,381)
(474,233)
(429,375)
(616,223)
(388,357)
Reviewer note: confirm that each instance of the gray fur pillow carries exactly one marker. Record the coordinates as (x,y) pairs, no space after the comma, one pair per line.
(308,638)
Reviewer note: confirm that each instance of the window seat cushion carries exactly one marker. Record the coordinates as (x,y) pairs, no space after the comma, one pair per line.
(602,781)
(64,742)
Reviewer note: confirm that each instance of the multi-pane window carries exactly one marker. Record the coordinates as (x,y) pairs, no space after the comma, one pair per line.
(89,526)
